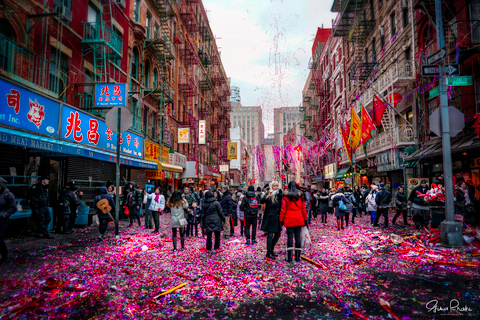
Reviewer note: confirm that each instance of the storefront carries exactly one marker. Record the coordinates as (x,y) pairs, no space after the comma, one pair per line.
(390,166)
(329,172)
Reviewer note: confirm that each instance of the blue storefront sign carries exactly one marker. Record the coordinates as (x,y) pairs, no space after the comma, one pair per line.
(24,109)
(111,95)
(83,128)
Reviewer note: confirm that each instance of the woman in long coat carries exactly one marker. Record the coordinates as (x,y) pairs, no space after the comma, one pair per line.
(212,220)
(271,217)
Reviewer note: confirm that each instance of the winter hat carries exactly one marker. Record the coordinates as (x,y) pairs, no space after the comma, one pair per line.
(381,185)
(340,189)
(259,189)
(45,177)
(423,181)
(374,187)
(3,182)
(251,188)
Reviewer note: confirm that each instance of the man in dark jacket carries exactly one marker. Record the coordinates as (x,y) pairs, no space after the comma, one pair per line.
(132,199)
(382,199)
(69,202)
(250,205)
(229,209)
(38,198)
(212,220)
(103,217)
(420,212)
(7,208)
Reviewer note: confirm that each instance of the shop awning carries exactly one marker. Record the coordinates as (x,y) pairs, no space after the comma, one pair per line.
(458,144)
(341,173)
(169,167)
(28,140)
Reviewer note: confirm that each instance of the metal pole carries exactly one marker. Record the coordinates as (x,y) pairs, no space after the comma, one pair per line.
(448,228)
(117,197)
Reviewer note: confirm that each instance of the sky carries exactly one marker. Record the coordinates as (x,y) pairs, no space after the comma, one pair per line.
(265,47)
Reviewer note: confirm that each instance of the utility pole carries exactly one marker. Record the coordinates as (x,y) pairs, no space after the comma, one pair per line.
(450,230)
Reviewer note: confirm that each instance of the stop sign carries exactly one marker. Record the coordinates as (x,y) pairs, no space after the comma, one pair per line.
(456,117)
(126,121)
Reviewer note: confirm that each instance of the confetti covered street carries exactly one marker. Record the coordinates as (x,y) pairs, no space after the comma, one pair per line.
(358,273)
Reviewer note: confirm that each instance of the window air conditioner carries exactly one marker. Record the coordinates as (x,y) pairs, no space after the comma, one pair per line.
(121,3)
(404,3)
(64,12)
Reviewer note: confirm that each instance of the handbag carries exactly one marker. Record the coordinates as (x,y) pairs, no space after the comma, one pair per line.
(342,206)
(183,222)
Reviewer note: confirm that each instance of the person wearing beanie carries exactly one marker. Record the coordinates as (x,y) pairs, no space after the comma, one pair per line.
(7,208)
(68,207)
(382,199)
(39,199)
(371,203)
(250,206)
(420,212)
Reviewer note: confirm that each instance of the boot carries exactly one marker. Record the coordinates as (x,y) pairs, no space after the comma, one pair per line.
(269,247)
(174,241)
(341,224)
(66,230)
(338,225)
(139,222)
(298,254)
(273,248)
(182,241)
(289,255)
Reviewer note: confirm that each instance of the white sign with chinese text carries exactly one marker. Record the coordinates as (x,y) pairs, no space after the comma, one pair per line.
(201,131)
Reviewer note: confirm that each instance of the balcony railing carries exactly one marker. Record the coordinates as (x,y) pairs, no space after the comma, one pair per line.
(99,33)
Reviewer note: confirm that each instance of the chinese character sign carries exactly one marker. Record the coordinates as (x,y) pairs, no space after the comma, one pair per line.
(163,154)
(152,151)
(24,109)
(80,127)
(232,151)
(111,95)
(183,135)
(201,131)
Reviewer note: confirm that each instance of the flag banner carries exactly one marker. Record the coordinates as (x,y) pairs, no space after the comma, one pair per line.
(379,108)
(328,142)
(355,130)
(232,151)
(367,126)
(345,135)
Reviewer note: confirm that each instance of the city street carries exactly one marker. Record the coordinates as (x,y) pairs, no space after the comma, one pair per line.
(359,273)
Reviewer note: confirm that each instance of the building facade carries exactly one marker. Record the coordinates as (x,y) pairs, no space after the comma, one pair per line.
(284,119)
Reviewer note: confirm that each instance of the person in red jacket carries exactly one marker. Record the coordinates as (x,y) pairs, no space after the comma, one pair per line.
(293,215)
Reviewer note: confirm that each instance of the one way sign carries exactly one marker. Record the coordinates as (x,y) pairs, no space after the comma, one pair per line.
(452,69)
(433,70)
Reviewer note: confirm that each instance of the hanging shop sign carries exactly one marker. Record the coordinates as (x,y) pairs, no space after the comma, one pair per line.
(152,151)
(232,150)
(201,131)
(85,129)
(388,161)
(224,168)
(183,135)
(163,157)
(330,171)
(111,95)
(177,159)
(24,109)
(158,174)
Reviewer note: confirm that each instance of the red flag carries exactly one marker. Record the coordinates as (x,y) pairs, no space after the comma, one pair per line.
(345,136)
(367,126)
(397,97)
(379,108)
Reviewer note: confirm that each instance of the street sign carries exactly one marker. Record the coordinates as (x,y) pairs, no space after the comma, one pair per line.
(126,120)
(460,81)
(437,56)
(452,69)
(429,70)
(111,95)
(456,117)
(433,93)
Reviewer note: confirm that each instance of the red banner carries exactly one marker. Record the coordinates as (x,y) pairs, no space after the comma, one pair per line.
(367,126)
(379,108)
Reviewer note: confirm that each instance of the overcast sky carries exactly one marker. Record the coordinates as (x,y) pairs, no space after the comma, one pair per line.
(266,46)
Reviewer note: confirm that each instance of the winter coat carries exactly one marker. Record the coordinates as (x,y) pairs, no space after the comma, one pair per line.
(132,197)
(178,213)
(7,205)
(417,199)
(308,200)
(401,201)
(358,198)
(240,213)
(212,216)
(250,212)
(271,217)
(315,203)
(68,202)
(228,204)
(370,200)
(323,200)
(351,202)
(461,206)
(383,198)
(38,196)
(194,215)
(336,203)
(293,212)
(154,205)
(104,195)
(190,199)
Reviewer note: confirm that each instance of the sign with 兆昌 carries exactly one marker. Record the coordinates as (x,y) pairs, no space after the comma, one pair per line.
(201,131)
(111,95)
(24,109)
(183,135)
(460,81)
(80,127)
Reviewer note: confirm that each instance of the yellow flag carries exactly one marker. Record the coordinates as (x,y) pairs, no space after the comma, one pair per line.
(232,150)
(355,130)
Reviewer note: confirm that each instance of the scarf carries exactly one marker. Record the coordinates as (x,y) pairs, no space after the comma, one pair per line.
(466,196)
(157,197)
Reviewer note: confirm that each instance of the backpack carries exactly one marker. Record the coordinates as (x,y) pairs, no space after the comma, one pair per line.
(254,203)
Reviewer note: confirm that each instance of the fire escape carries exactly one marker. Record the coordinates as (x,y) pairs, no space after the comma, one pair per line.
(321,98)
(104,46)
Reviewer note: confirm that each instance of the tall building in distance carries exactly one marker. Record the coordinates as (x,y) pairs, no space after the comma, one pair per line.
(235,93)
(284,119)
(269,140)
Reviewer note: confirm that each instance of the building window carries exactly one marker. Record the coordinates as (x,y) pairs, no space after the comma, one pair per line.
(156,31)
(408,54)
(147,74)
(382,41)
(372,11)
(148,21)
(366,55)
(380,4)
(136,10)
(134,67)
(155,79)
(432,106)
(374,50)
(405,17)
(475,20)
(58,73)
(393,30)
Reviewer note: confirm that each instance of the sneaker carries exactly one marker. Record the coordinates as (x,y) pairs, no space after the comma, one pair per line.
(254,242)
(101,237)
(155,231)
(248,242)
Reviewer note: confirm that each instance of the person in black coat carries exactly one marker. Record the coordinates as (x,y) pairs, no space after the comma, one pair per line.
(382,199)
(103,217)
(323,200)
(271,217)
(69,202)
(421,212)
(212,219)
(7,208)
(132,199)
(229,210)
(401,205)
(39,200)
(250,206)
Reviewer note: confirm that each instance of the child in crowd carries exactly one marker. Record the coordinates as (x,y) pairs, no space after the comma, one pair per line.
(194,216)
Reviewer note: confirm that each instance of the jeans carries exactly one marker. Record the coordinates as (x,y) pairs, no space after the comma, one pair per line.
(226,226)
(190,227)
(291,232)
(3,246)
(148,215)
(324,216)
(347,217)
(72,217)
(156,219)
(372,216)
(354,214)
(242,227)
(309,216)
(43,219)
(381,212)
(134,213)
(103,225)
(421,218)
(209,240)
(252,221)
